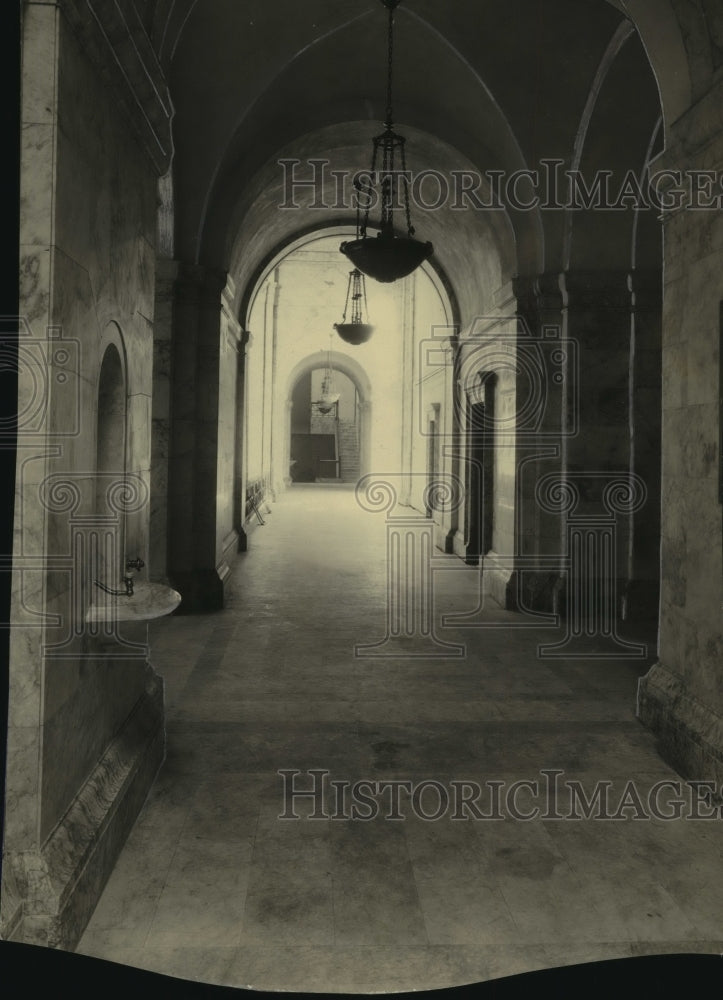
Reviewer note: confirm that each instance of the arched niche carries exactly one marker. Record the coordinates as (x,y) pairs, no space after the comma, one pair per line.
(110,458)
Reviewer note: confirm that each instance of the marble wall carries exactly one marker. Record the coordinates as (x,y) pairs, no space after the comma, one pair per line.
(85,727)
(104,234)
(681,698)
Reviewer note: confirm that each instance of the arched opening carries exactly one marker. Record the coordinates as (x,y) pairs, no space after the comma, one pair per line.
(327,439)
(110,463)
(325,431)
(375,425)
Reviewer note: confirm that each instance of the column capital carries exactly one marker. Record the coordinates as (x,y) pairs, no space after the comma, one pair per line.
(538,294)
(605,289)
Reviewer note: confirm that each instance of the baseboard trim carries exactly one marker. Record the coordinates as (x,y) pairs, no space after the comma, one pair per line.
(689,734)
(60,883)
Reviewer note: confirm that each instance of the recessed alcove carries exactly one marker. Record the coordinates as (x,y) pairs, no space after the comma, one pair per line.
(110,467)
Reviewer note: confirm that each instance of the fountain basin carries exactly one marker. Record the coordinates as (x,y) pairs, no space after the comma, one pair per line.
(149,600)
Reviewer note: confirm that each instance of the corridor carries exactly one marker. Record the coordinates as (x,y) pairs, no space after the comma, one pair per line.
(212,885)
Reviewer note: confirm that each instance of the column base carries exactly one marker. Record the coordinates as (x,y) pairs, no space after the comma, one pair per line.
(201,590)
(497,579)
(456,544)
(689,733)
(53,890)
(441,537)
(537,590)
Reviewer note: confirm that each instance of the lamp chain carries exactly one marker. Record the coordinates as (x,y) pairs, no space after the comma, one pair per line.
(405,182)
(390,113)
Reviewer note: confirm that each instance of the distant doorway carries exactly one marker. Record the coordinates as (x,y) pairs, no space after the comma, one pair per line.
(324,434)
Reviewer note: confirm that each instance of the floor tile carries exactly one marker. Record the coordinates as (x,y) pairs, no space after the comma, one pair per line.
(214,883)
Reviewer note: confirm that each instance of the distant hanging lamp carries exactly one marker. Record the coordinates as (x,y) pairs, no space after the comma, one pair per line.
(329,398)
(387,257)
(356,331)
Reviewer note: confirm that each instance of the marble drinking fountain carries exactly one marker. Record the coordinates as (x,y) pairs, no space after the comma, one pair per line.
(137,601)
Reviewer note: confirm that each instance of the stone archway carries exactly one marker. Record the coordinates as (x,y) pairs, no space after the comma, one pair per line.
(357,375)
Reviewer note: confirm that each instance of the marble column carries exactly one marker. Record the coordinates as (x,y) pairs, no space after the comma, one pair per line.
(201,533)
(599,308)
(166,275)
(450,448)
(643,591)
(545,405)
(241,432)
(270,391)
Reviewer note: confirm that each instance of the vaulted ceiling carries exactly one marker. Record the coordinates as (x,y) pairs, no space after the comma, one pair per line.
(479,84)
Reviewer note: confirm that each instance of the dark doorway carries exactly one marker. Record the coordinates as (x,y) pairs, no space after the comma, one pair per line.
(313,457)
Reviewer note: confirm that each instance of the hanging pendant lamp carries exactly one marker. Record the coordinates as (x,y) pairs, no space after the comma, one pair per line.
(387,257)
(329,398)
(356,331)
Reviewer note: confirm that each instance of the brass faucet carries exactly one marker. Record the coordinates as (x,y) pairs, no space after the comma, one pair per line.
(131,564)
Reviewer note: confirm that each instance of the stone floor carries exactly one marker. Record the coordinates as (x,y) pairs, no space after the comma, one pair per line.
(212,885)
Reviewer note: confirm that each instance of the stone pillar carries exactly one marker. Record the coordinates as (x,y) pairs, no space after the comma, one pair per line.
(229,428)
(599,319)
(166,275)
(547,361)
(450,452)
(643,593)
(241,431)
(200,429)
(270,394)
(595,335)
(287,411)
(681,697)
